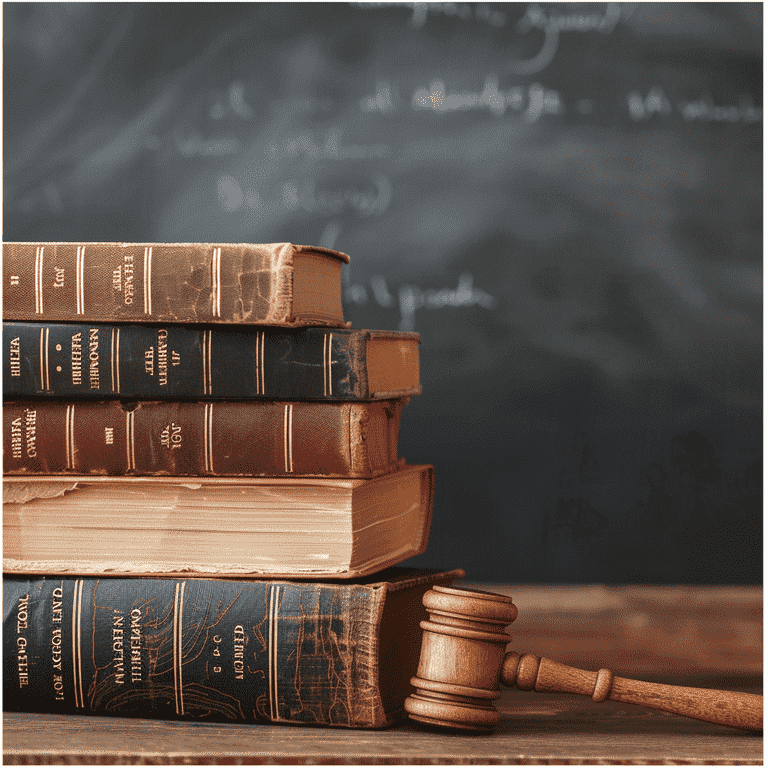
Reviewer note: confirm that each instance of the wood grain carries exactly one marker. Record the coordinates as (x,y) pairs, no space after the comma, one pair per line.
(535,729)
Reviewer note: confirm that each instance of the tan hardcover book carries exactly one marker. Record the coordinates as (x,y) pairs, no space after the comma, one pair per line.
(258,284)
(333,654)
(216,438)
(163,526)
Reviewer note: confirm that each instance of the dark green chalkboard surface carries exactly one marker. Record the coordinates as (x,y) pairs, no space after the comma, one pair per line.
(564,200)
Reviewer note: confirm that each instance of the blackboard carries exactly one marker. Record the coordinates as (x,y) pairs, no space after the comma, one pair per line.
(564,200)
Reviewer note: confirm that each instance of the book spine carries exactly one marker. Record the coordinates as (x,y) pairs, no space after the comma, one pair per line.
(149,361)
(198,648)
(191,283)
(188,438)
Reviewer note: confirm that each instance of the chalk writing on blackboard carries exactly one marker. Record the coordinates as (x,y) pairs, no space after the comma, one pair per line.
(703,108)
(410,298)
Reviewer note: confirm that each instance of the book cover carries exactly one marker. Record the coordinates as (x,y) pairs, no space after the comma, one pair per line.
(335,654)
(261,284)
(190,438)
(172,361)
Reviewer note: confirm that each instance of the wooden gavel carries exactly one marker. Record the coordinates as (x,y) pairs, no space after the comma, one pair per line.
(463,662)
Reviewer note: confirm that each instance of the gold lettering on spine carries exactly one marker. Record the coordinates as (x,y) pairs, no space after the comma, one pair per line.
(178,609)
(288,436)
(30,432)
(238,647)
(162,357)
(128,280)
(39,279)
(76,354)
(22,623)
(56,642)
(148,281)
(117,278)
(77,667)
(80,279)
(15,356)
(135,645)
(93,358)
(208,437)
(216,282)
(16,438)
(118,646)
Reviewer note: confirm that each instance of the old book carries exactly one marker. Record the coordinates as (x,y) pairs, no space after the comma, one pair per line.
(336,654)
(168,437)
(151,361)
(215,526)
(271,284)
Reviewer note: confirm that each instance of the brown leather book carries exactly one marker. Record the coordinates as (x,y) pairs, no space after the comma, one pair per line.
(333,654)
(258,284)
(217,438)
(213,526)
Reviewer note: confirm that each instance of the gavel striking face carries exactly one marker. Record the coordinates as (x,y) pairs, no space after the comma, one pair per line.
(463,662)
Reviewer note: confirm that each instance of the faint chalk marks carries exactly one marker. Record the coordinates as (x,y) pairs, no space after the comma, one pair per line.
(412,298)
(464,11)
(552,23)
(534,99)
(235,103)
(194,144)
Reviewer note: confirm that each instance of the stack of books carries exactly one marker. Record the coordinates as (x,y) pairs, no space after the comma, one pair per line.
(203,503)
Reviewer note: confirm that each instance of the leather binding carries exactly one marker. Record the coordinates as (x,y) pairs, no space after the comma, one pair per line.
(245,650)
(271,284)
(214,438)
(172,361)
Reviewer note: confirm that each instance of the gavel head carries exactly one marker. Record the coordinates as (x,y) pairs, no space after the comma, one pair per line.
(462,654)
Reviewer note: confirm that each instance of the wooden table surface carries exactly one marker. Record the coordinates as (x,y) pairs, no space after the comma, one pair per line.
(703,636)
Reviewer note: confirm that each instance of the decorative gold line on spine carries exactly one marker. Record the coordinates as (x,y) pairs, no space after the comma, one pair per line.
(178,610)
(325,358)
(116,360)
(80,279)
(130,447)
(70,436)
(148,280)
(77,666)
(208,437)
(204,361)
(216,282)
(47,359)
(205,353)
(329,364)
(42,359)
(288,436)
(274,612)
(259,363)
(209,355)
(39,279)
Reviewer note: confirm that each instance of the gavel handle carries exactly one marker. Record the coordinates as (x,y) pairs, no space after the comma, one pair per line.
(739,710)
